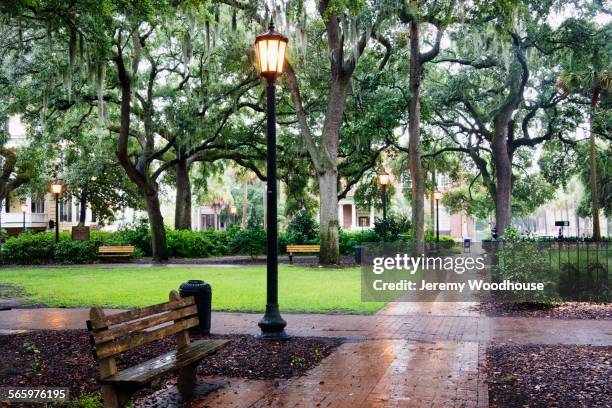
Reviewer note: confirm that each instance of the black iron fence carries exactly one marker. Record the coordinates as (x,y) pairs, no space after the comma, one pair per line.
(577,271)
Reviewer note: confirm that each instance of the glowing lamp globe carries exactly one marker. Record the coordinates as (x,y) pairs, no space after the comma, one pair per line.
(56,187)
(270,49)
(437,195)
(383,178)
(24,207)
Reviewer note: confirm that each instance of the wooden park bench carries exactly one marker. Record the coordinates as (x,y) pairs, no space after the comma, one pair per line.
(302,249)
(115,251)
(114,334)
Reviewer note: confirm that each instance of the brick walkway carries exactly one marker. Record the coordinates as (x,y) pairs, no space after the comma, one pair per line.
(407,355)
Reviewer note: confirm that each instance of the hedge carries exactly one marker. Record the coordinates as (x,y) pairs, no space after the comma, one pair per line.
(40,248)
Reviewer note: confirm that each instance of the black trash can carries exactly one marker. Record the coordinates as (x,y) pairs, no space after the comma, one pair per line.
(358,254)
(202,293)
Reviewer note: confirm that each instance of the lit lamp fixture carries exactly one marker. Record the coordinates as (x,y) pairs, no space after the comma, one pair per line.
(24,209)
(270,50)
(383,180)
(233,211)
(57,188)
(437,196)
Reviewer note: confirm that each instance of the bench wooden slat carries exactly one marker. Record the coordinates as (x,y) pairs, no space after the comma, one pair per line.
(135,314)
(127,343)
(138,325)
(299,248)
(115,251)
(149,370)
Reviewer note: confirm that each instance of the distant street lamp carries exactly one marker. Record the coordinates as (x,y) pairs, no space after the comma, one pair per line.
(437,197)
(270,50)
(383,180)
(57,188)
(24,208)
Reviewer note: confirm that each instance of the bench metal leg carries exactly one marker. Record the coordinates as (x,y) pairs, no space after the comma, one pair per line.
(290,259)
(187,381)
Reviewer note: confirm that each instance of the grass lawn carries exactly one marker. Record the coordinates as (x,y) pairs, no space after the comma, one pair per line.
(234,289)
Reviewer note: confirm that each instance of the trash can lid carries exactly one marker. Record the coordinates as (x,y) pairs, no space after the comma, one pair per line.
(194,284)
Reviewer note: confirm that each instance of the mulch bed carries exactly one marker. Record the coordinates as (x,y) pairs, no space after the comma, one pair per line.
(549,376)
(64,359)
(566,310)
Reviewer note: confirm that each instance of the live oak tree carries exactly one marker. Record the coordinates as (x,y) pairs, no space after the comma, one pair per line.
(348,27)
(346,37)
(502,99)
(415,14)
(149,82)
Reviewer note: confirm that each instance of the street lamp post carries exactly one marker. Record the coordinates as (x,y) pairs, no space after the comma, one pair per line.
(56,189)
(437,197)
(383,180)
(24,208)
(270,50)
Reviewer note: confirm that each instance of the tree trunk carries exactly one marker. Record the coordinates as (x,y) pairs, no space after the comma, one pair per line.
(158,230)
(328,220)
(414,141)
(594,186)
(245,204)
(82,207)
(138,173)
(182,211)
(503,178)
(432,201)
(328,178)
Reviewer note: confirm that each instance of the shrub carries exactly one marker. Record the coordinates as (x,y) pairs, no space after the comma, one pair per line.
(431,237)
(30,248)
(349,240)
(137,235)
(302,229)
(68,251)
(398,227)
(40,248)
(249,241)
(192,244)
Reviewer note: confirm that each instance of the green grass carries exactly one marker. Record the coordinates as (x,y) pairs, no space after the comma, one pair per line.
(242,289)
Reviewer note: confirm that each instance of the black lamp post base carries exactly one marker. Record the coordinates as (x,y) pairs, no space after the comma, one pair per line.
(276,336)
(272,325)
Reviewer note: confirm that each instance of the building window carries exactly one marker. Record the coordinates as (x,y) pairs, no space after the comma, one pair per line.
(7,205)
(207,221)
(66,210)
(77,212)
(364,221)
(38,205)
(443,180)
